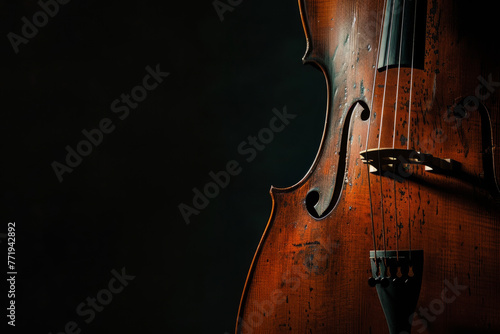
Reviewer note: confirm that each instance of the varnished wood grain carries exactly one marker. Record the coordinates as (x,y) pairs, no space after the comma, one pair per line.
(309,275)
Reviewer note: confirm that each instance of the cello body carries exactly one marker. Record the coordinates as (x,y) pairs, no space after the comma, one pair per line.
(396,226)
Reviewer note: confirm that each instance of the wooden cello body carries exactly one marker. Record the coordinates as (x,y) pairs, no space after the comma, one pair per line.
(396,227)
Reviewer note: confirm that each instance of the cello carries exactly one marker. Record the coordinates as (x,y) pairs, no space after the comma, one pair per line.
(396,226)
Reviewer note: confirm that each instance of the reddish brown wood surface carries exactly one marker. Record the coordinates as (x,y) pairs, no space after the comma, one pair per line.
(310,275)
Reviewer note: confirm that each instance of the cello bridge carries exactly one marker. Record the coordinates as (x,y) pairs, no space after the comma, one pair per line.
(396,162)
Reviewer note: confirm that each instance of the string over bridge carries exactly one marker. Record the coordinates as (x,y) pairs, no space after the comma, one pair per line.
(397,161)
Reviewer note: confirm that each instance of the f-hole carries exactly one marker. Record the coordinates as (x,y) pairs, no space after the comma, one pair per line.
(359,108)
(488,145)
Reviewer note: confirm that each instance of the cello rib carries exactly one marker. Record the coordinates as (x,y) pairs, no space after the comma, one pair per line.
(405,249)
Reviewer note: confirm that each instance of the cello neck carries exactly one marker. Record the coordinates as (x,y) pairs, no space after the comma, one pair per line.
(403,35)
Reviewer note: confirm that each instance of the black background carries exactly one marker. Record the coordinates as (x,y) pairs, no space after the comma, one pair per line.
(119,207)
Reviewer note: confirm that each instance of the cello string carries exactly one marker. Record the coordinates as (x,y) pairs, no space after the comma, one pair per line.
(394,132)
(368,132)
(409,126)
(380,131)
